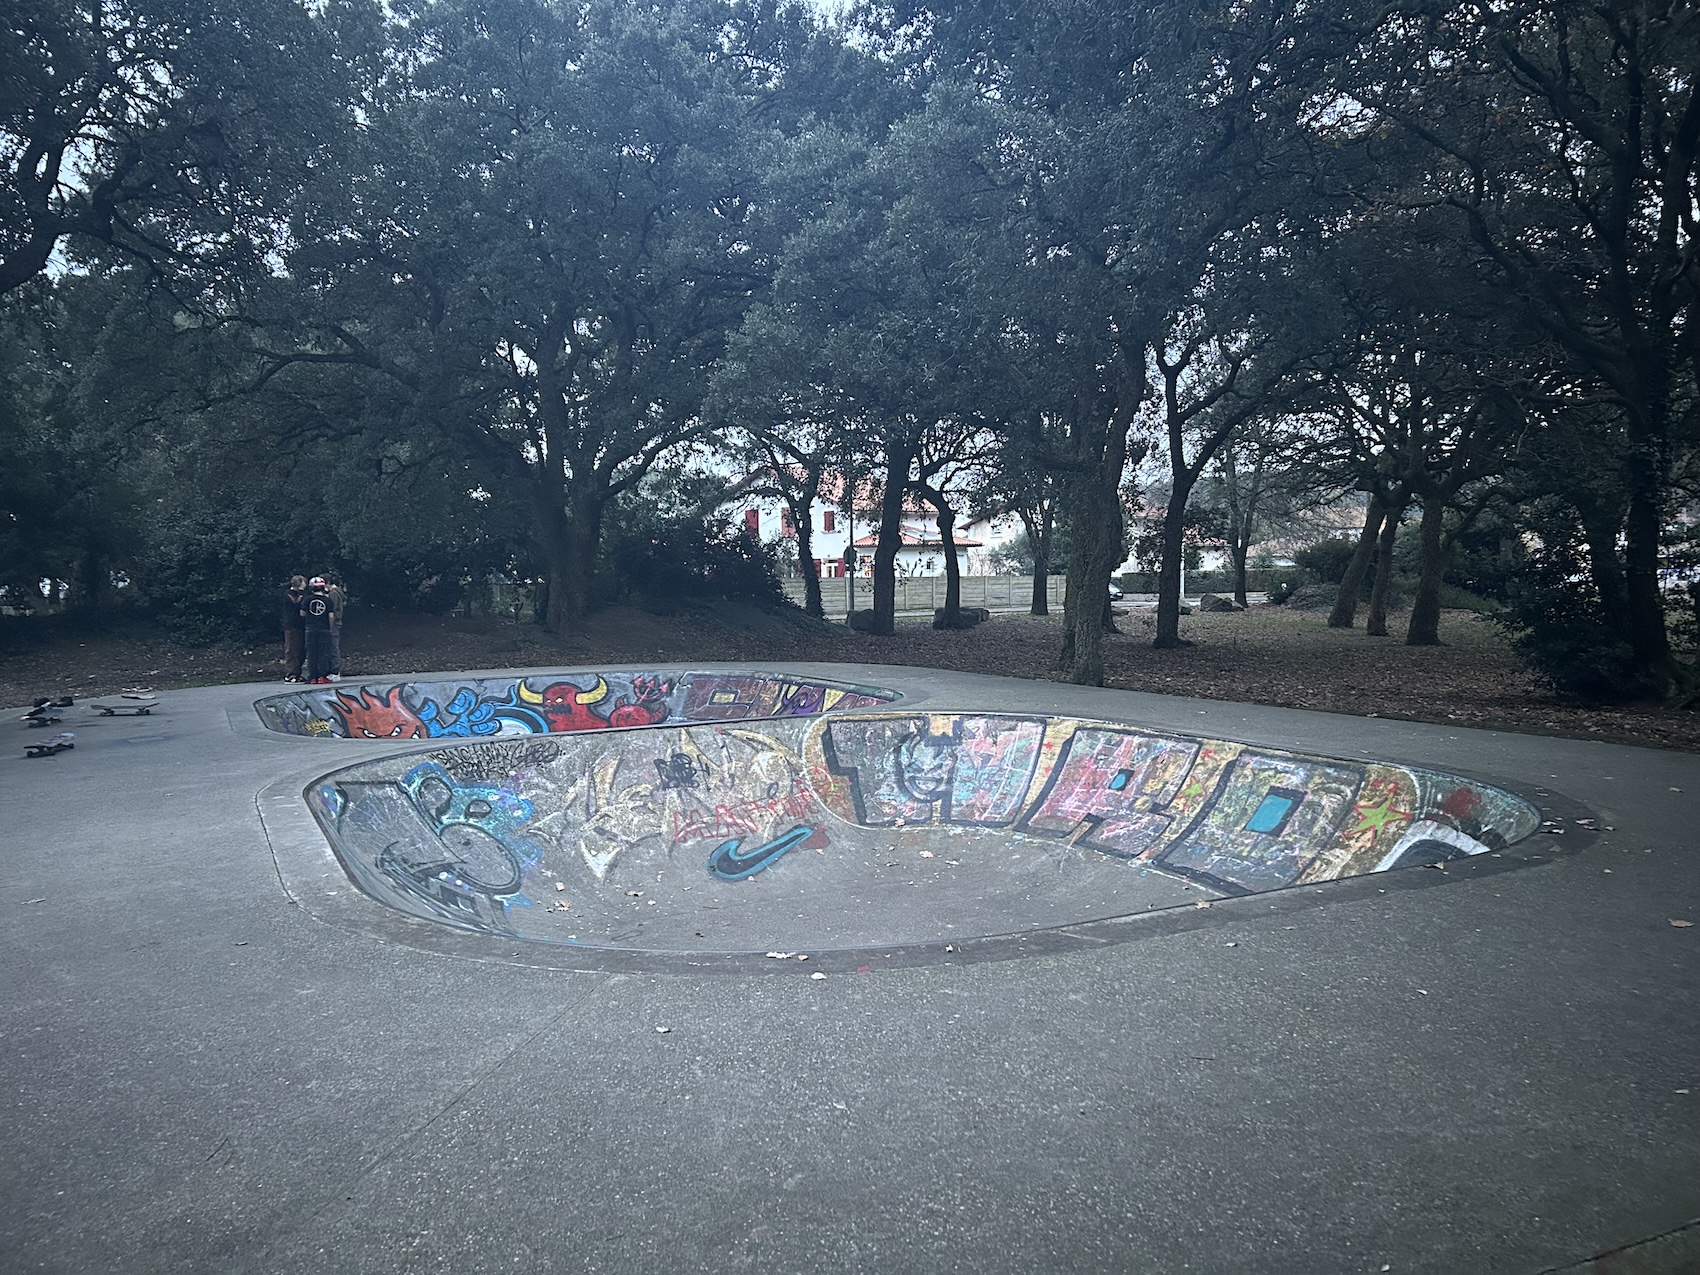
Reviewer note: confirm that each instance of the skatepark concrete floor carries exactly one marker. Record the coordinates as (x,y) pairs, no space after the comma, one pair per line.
(1496,1072)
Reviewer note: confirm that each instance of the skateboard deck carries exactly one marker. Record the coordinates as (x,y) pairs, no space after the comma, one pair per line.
(48,747)
(128,706)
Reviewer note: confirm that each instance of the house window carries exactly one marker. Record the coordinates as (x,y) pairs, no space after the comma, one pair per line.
(752,521)
(785,527)
(829,520)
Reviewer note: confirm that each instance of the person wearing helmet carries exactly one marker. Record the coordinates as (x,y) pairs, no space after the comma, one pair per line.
(318,613)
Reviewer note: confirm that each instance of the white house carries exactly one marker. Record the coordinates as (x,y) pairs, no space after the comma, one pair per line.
(832,532)
(980,542)
(921,551)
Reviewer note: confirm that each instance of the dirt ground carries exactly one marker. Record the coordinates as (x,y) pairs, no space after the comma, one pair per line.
(1268,655)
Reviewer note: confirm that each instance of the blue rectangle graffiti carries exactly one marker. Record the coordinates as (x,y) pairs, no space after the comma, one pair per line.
(1273,811)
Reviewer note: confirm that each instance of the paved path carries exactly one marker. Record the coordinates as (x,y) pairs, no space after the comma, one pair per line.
(1496,1073)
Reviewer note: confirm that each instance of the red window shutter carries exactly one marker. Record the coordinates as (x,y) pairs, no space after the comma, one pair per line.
(752,521)
(829,520)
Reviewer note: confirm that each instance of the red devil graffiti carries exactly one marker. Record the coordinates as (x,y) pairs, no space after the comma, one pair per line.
(567,708)
(650,707)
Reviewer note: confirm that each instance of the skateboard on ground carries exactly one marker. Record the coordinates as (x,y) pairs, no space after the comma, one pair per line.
(130,703)
(48,747)
(45,712)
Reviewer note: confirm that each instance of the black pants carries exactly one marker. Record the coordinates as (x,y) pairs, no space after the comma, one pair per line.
(318,653)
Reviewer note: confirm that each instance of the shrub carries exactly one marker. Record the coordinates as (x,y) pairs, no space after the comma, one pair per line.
(217,576)
(1314,597)
(1575,652)
(685,561)
(1456,598)
(1327,560)
(1558,627)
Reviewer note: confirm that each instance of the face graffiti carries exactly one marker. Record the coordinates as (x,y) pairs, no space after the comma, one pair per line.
(365,717)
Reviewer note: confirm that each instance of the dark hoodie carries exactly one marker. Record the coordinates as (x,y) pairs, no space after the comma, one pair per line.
(317,609)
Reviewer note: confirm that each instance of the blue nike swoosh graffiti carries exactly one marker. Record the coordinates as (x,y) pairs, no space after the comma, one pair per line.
(729,865)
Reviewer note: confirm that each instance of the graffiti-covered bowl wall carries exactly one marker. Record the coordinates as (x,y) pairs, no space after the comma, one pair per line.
(873,829)
(554,704)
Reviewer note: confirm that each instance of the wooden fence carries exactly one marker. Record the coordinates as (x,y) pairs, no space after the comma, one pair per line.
(926,593)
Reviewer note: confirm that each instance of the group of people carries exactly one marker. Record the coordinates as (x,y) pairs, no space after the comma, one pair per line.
(312,630)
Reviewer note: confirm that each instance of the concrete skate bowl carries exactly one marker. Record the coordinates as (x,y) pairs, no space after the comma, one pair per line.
(874,830)
(553,703)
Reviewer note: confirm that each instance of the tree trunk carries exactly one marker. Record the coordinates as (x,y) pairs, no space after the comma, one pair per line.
(1346,605)
(1375,623)
(1238,552)
(1095,521)
(952,568)
(94,578)
(1242,518)
(800,518)
(1169,575)
(572,565)
(1095,535)
(890,539)
(1644,615)
(1600,528)
(549,531)
(1424,629)
(1039,541)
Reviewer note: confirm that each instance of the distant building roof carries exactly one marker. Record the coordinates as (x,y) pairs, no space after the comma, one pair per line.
(912,540)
